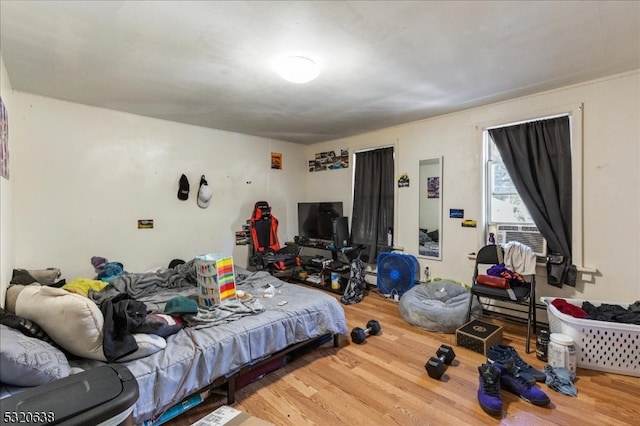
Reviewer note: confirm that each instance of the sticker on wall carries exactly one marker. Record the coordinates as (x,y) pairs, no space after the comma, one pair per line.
(456,213)
(276,160)
(145,223)
(329,161)
(242,238)
(4,141)
(403,181)
(433,187)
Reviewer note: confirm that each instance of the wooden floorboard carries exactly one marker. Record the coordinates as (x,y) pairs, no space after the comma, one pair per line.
(383,382)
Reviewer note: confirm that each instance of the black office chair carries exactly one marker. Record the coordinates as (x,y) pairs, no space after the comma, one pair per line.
(523,294)
(266,251)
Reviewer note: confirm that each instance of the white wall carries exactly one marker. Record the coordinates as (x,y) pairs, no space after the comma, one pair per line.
(83,176)
(7,253)
(611,194)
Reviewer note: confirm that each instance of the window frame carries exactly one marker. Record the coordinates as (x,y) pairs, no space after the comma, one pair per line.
(575,113)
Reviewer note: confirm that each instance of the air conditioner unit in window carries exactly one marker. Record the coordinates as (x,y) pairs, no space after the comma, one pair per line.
(525,234)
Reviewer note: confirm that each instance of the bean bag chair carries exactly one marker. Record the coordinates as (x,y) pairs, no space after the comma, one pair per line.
(438,306)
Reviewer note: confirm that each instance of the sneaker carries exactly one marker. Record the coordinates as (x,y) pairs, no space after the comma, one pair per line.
(489,389)
(511,380)
(501,353)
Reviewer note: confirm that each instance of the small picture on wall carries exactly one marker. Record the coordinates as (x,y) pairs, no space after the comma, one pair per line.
(145,223)
(433,187)
(403,181)
(242,238)
(276,160)
(329,160)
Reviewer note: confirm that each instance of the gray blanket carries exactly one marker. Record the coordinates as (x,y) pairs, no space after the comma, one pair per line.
(140,285)
(157,288)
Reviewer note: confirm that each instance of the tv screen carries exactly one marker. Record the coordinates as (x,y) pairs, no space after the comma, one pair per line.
(315,220)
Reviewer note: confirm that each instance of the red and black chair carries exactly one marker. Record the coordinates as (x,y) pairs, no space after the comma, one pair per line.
(267,253)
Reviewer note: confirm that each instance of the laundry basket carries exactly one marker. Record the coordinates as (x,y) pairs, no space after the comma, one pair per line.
(600,345)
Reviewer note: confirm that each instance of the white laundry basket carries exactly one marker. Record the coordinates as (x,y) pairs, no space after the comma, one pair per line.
(600,345)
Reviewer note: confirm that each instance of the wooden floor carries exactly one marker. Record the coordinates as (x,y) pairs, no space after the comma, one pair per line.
(383,382)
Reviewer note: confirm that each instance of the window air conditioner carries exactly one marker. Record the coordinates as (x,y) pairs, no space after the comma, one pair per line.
(525,234)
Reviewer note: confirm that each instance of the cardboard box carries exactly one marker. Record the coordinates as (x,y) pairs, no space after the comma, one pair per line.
(478,336)
(216,279)
(229,416)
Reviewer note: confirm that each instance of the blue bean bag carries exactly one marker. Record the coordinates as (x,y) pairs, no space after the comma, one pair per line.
(438,306)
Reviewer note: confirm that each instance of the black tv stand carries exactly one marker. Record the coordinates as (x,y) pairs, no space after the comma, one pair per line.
(316,270)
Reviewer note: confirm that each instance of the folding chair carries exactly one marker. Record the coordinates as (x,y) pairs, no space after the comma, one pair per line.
(519,294)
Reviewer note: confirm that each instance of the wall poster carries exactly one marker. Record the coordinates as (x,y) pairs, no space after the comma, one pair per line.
(276,160)
(4,141)
(433,187)
(329,161)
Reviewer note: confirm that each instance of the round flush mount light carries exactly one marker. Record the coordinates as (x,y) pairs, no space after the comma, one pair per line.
(296,69)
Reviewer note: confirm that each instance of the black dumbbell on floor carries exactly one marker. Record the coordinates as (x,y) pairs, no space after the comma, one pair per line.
(359,335)
(436,366)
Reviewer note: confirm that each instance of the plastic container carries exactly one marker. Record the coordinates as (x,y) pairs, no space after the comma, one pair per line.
(542,344)
(103,395)
(562,352)
(335,281)
(600,345)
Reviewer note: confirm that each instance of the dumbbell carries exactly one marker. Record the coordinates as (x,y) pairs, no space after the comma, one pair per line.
(358,335)
(436,366)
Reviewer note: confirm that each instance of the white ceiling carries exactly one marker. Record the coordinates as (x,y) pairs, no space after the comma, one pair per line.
(383,63)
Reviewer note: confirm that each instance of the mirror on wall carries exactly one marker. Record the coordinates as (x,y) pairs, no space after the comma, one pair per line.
(430,209)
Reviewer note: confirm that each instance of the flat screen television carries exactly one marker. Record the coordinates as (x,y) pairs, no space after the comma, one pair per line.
(315,220)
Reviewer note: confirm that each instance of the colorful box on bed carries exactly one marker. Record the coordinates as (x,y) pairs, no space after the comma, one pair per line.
(216,279)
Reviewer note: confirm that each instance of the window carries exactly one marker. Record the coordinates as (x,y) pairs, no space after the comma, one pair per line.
(530,146)
(507,215)
(564,226)
(504,203)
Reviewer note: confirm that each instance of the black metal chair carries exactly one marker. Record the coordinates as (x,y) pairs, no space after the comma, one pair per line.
(522,294)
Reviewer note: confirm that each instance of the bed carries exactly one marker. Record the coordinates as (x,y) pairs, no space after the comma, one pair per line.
(221,349)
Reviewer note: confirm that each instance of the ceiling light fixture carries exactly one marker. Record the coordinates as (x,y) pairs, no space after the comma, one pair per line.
(297,69)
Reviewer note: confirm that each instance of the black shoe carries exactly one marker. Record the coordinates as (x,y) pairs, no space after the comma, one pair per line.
(502,353)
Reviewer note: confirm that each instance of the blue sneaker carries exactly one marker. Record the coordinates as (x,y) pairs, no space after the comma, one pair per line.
(511,380)
(502,353)
(489,389)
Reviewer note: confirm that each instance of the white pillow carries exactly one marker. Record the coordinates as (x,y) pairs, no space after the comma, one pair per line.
(74,322)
